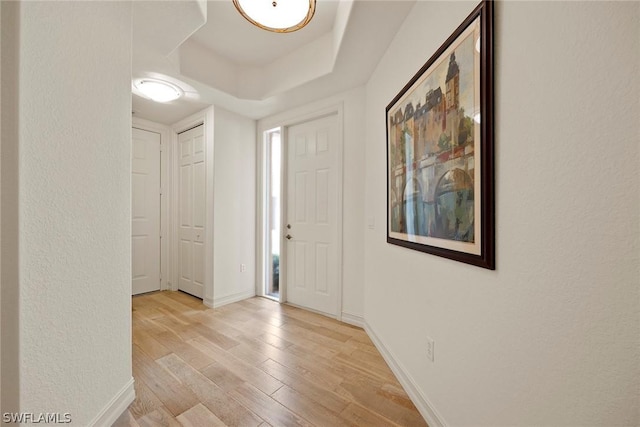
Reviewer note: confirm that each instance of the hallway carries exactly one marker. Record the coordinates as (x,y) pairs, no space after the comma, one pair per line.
(253,363)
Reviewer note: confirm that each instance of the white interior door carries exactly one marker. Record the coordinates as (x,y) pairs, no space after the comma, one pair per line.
(312,214)
(191,211)
(145,211)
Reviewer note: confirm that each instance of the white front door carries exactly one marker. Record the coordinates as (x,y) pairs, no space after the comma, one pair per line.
(191,211)
(312,215)
(145,211)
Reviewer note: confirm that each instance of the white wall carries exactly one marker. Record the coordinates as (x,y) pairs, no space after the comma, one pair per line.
(551,336)
(234,213)
(9,333)
(353,206)
(73,278)
(0,216)
(0,211)
(353,191)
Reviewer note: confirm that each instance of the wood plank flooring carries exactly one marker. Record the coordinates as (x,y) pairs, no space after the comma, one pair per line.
(256,363)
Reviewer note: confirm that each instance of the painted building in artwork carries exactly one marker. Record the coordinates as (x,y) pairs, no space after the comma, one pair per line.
(431,160)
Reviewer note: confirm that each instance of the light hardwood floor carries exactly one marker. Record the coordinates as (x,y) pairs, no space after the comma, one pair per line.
(256,363)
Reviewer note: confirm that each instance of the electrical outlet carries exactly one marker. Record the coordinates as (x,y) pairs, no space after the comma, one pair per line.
(243,268)
(430,345)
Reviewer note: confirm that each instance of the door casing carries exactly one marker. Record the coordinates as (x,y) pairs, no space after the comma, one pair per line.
(191,217)
(145,211)
(284,122)
(165,137)
(206,118)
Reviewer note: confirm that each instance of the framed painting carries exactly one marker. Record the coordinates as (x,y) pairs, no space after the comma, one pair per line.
(440,180)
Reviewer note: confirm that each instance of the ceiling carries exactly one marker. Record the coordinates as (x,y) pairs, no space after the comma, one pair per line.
(217,57)
(228,34)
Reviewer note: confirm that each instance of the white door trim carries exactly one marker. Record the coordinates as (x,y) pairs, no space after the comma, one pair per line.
(165,180)
(261,182)
(204,117)
(284,121)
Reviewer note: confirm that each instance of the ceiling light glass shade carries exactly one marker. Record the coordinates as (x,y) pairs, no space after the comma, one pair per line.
(280,16)
(158,90)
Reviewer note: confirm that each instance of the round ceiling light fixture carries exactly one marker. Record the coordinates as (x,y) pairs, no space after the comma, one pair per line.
(158,90)
(279,16)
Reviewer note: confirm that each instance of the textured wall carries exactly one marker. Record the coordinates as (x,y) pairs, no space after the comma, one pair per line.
(550,337)
(234,213)
(353,204)
(9,357)
(74,205)
(0,213)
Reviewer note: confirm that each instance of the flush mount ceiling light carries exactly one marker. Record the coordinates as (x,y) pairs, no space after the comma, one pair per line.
(158,90)
(280,16)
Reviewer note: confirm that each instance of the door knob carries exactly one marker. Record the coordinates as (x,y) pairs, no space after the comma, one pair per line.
(289,236)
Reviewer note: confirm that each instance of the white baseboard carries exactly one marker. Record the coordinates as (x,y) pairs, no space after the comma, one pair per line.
(115,407)
(219,302)
(353,319)
(425,407)
(208,302)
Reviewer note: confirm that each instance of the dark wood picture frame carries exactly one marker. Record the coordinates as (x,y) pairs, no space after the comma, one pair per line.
(440,155)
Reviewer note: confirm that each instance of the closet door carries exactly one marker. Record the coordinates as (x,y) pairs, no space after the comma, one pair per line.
(145,211)
(191,211)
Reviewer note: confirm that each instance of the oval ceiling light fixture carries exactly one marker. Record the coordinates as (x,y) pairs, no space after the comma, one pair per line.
(279,16)
(158,90)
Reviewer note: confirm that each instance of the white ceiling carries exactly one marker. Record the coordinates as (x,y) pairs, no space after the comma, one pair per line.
(216,57)
(228,34)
